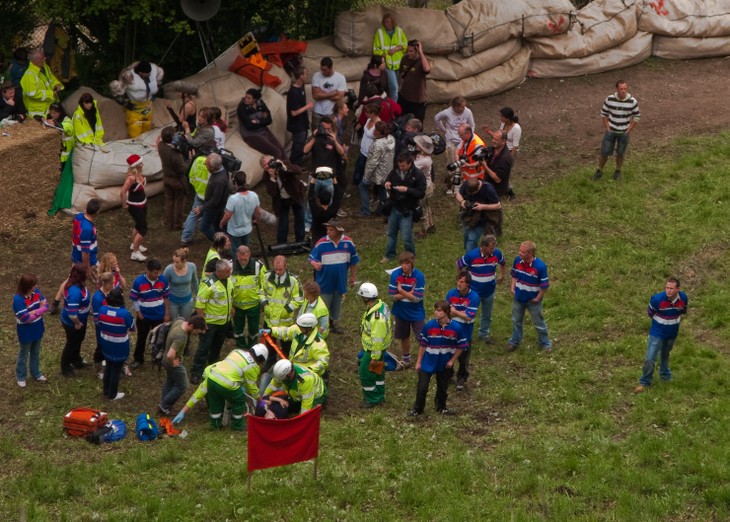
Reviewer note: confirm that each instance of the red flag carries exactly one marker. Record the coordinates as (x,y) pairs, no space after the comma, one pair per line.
(278,442)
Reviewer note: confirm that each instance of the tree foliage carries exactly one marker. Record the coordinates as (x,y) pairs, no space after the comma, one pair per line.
(112,33)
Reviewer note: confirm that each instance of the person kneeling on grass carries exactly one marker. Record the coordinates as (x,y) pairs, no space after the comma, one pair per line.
(442,342)
(304,389)
(224,381)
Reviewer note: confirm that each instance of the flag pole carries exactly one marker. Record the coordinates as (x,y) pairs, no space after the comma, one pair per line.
(316,461)
(249,480)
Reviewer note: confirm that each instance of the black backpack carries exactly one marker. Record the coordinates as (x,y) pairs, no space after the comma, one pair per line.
(439,143)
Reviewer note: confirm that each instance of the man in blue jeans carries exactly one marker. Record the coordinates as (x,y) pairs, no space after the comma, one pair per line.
(406,186)
(529,284)
(666,310)
(176,346)
(481,264)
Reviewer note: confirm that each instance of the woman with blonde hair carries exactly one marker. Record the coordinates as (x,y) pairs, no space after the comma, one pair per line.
(134,200)
(109,263)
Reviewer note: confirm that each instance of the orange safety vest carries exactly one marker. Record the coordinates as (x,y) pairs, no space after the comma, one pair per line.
(467,148)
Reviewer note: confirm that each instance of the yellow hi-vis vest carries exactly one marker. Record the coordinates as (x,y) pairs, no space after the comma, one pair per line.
(199,175)
(321,312)
(281,299)
(238,368)
(383,42)
(248,283)
(306,387)
(37,84)
(67,139)
(82,129)
(375,329)
(309,351)
(215,298)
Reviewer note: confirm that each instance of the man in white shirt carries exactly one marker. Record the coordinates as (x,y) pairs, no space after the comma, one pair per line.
(328,86)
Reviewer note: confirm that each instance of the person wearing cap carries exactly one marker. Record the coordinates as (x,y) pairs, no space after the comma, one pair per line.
(331,258)
(232,380)
(142,85)
(134,200)
(11,102)
(308,348)
(376,334)
(424,163)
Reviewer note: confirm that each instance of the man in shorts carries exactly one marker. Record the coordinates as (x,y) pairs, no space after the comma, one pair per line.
(620,114)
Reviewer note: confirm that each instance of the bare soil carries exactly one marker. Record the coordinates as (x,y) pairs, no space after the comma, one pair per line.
(561,129)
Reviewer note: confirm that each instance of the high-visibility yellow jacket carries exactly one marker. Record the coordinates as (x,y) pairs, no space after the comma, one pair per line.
(306,387)
(38,84)
(383,42)
(82,129)
(310,351)
(321,312)
(375,330)
(281,299)
(215,298)
(248,282)
(67,139)
(199,175)
(237,369)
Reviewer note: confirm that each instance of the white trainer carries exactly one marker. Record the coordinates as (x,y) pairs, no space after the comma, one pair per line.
(139,256)
(119,396)
(142,248)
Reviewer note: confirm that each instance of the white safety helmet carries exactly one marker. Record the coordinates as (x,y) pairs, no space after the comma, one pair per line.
(282,369)
(368,291)
(308,320)
(260,350)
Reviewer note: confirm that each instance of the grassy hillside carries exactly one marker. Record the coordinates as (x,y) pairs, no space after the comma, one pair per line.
(538,437)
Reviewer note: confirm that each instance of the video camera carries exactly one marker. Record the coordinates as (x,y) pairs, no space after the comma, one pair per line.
(482,154)
(321,131)
(179,143)
(230,162)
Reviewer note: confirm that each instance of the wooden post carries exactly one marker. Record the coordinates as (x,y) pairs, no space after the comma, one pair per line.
(316,461)
(249,481)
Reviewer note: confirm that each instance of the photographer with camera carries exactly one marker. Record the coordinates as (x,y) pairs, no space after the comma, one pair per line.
(406,186)
(327,153)
(175,167)
(470,153)
(480,212)
(202,139)
(254,118)
(287,191)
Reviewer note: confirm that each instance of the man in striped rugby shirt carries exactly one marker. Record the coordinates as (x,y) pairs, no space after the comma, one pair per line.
(620,114)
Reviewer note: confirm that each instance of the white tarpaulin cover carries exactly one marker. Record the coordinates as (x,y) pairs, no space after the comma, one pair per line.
(631,52)
(600,25)
(481,24)
(696,18)
(688,48)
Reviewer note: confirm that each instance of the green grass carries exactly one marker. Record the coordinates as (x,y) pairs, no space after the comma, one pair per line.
(559,437)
